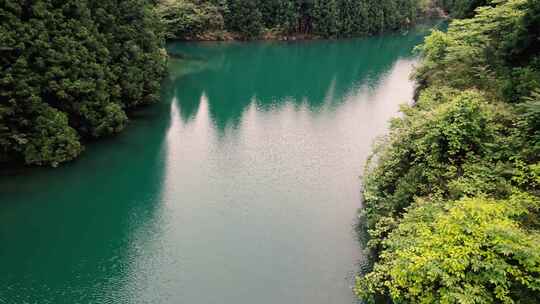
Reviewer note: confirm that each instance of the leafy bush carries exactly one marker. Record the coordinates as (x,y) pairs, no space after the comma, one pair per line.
(187,19)
(461,8)
(50,141)
(470,251)
(529,121)
(437,141)
(475,53)
(451,195)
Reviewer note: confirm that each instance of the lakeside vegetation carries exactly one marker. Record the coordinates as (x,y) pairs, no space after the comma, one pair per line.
(72,70)
(452,193)
(259,19)
(292,19)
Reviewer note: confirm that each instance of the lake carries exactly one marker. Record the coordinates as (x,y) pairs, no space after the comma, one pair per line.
(241,186)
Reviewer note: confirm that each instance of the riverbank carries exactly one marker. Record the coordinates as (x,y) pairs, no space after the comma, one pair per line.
(429,15)
(287,20)
(451,197)
(271,35)
(275,35)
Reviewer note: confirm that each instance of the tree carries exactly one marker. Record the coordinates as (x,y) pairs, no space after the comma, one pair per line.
(461,8)
(288,16)
(185,19)
(245,17)
(471,251)
(250,18)
(325,18)
(71,70)
(452,195)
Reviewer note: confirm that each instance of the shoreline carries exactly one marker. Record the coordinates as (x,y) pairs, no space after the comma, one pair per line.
(225,36)
(275,35)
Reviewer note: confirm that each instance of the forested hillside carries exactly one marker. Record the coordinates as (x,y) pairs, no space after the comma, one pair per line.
(193,19)
(452,193)
(71,70)
(461,8)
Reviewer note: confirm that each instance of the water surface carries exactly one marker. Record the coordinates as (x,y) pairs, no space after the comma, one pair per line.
(241,186)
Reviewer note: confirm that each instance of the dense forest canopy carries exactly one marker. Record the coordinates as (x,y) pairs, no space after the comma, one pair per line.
(452,195)
(71,70)
(192,19)
(461,8)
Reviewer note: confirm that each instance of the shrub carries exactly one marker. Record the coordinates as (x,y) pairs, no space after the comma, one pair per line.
(470,251)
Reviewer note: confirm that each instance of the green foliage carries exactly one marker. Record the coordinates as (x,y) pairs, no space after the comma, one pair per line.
(445,136)
(252,18)
(186,19)
(70,70)
(475,53)
(451,194)
(51,140)
(245,18)
(471,251)
(529,120)
(287,16)
(325,18)
(461,8)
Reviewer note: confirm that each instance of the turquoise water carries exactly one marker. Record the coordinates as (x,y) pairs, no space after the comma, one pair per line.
(241,186)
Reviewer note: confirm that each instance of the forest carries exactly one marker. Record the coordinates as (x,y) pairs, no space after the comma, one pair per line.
(71,71)
(249,19)
(271,19)
(451,195)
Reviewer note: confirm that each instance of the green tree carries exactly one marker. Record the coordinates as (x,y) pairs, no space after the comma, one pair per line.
(461,8)
(70,70)
(185,19)
(432,151)
(250,18)
(245,18)
(441,207)
(325,18)
(287,16)
(471,251)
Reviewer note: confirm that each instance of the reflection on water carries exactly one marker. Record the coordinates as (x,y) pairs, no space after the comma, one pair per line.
(66,234)
(271,74)
(240,186)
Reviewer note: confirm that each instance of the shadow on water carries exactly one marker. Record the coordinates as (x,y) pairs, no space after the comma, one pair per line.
(75,244)
(315,74)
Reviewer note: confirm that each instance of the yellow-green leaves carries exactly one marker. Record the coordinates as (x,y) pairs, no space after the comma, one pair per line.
(452,202)
(474,252)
